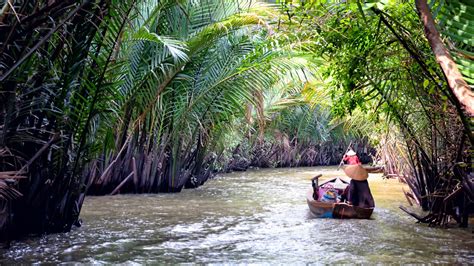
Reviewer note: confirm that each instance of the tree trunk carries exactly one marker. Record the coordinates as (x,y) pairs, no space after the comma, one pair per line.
(456,82)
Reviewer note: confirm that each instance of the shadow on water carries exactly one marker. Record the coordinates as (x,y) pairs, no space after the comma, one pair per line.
(255,216)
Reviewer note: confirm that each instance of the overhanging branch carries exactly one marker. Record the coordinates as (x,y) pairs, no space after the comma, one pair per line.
(456,82)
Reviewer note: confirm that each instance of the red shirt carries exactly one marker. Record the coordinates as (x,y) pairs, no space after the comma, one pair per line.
(351,159)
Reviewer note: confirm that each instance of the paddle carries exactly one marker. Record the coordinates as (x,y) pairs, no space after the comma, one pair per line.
(342,160)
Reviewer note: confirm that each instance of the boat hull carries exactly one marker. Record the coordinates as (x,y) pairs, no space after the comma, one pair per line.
(336,210)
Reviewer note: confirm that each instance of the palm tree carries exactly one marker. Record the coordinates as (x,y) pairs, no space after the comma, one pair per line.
(56,56)
(190,72)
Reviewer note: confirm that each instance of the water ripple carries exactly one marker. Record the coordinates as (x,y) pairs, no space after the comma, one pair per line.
(253,217)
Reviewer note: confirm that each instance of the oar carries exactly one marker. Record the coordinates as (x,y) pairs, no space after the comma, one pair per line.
(342,160)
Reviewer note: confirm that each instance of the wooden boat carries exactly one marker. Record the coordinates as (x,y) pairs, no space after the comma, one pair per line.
(339,210)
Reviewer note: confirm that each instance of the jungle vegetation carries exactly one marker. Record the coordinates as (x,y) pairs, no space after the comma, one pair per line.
(145,96)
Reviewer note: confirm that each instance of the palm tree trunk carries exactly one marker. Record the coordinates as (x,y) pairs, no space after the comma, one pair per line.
(456,82)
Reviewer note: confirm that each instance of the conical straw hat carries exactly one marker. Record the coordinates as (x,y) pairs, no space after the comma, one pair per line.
(356,172)
(351,152)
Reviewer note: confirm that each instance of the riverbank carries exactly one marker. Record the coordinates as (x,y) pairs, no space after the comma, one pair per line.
(258,216)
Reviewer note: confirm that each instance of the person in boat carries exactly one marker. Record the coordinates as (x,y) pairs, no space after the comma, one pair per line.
(357,192)
(351,157)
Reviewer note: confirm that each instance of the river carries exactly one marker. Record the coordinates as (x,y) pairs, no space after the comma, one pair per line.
(259,216)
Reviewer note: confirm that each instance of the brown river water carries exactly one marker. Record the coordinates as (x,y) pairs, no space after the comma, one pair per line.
(259,216)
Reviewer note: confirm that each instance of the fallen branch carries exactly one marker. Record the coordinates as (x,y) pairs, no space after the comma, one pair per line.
(45,146)
(453,194)
(414,215)
(121,184)
(407,197)
(127,141)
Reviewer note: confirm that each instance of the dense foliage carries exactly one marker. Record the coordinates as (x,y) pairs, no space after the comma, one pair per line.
(379,62)
(129,96)
(107,96)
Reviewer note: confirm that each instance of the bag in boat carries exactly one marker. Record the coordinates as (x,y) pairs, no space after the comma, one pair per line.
(328,193)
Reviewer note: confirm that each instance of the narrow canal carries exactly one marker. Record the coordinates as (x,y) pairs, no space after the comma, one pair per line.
(250,217)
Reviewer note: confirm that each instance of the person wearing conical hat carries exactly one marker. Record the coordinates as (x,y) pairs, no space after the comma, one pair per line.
(351,157)
(358,192)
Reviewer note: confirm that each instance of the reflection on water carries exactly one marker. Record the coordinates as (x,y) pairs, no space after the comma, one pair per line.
(251,217)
